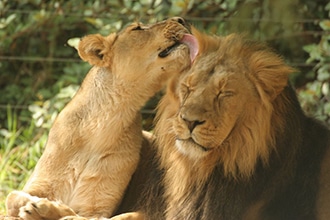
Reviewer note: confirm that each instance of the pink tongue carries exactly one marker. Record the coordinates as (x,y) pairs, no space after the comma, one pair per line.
(192,43)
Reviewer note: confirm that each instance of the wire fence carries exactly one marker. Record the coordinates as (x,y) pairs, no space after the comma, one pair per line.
(190,18)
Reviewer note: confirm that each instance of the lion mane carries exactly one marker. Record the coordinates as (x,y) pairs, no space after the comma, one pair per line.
(232,141)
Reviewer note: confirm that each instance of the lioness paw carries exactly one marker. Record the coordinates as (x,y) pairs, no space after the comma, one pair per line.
(129,216)
(74,217)
(9,218)
(45,209)
(29,212)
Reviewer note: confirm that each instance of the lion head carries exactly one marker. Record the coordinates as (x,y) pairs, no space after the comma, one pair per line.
(141,49)
(221,112)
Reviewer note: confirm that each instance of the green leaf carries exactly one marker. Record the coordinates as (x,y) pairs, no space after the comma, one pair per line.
(323,73)
(5,22)
(325,89)
(314,51)
(327,108)
(73,42)
(325,25)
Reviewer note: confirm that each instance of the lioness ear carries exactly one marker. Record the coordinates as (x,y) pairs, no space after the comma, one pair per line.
(270,71)
(96,49)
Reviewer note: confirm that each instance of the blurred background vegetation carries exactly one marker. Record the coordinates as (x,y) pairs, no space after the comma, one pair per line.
(40,70)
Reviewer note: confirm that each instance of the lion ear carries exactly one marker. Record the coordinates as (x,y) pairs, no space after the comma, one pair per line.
(271,72)
(96,49)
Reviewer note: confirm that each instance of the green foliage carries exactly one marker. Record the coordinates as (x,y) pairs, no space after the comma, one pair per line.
(21,147)
(315,98)
(17,158)
(40,70)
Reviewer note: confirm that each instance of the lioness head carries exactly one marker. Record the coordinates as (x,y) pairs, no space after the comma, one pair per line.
(142,51)
(222,110)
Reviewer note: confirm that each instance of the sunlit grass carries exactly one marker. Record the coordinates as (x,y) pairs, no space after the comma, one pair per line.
(21,145)
(20,148)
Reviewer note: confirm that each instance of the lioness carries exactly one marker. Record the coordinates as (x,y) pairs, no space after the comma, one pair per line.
(232,142)
(94,145)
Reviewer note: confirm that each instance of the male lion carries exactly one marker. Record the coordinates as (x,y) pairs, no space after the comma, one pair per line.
(94,145)
(234,143)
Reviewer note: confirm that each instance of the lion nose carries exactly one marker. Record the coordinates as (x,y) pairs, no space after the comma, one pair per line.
(191,124)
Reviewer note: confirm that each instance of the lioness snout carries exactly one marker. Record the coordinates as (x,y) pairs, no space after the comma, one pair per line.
(180,21)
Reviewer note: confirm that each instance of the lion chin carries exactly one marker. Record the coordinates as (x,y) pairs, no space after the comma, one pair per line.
(190,148)
(232,141)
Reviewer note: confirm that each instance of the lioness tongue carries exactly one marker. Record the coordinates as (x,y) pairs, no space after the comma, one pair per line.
(192,43)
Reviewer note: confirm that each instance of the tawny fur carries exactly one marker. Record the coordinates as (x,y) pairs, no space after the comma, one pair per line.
(94,145)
